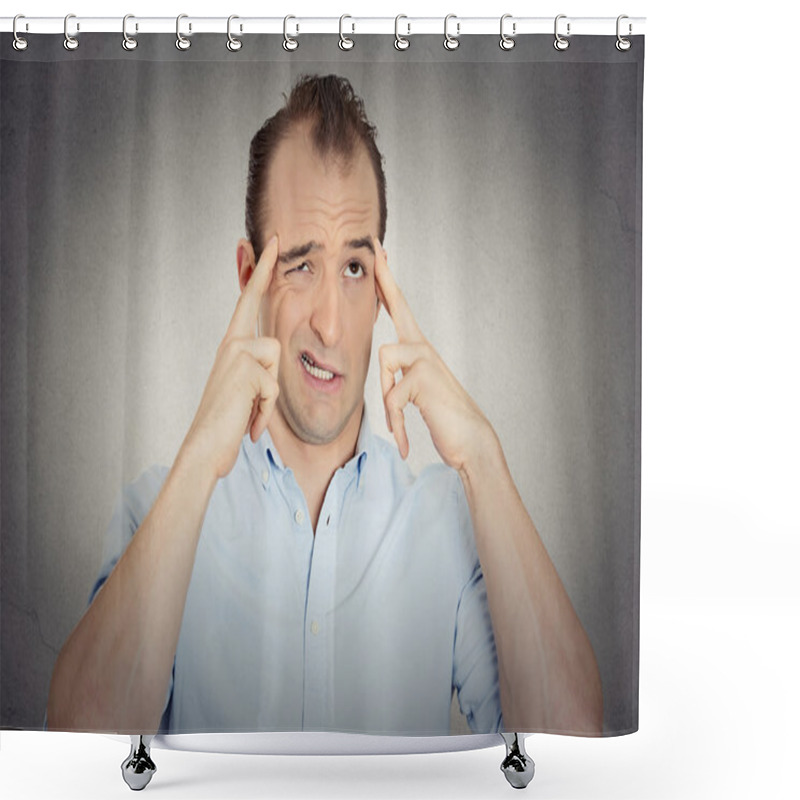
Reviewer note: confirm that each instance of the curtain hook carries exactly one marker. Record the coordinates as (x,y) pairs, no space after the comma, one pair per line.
(623,44)
(233,44)
(128,42)
(70,42)
(506,41)
(19,43)
(451,42)
(400,42)
(289,42)
(344,42)
(182,43)
(561,43)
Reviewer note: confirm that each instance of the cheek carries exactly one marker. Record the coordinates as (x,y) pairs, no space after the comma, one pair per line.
(360,302)
(361,319)
(283,312)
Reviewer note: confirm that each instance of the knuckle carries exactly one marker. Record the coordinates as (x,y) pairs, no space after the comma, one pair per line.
(242,360)
(230,345)
(269,383)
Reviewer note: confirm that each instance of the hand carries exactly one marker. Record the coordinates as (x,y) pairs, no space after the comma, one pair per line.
(242,388)
(457,426)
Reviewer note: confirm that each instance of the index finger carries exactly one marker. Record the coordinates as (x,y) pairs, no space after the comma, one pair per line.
(245,315)
(397,306)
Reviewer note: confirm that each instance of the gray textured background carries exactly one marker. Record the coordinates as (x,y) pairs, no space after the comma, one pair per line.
(514,195)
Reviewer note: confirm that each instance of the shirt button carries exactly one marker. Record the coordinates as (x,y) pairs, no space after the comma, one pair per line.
(298,516)
(315,627)
(265,476)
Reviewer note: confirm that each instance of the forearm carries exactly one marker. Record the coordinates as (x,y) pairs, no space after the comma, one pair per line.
(113,671)
(549,678)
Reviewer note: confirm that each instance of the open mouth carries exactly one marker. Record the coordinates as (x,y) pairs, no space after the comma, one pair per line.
(320,373)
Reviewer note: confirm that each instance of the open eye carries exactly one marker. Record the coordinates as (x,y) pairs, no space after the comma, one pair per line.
(355,269)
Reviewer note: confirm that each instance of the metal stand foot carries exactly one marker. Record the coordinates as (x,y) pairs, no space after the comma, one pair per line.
(518,766)
(138,767)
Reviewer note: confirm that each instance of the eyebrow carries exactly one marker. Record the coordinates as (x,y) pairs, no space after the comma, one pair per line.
(301,250)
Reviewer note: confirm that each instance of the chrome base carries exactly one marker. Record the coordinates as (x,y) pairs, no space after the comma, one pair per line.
(138,768)
(517,766)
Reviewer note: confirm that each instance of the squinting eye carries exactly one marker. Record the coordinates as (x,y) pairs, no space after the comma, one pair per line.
(355,273)
(298,268)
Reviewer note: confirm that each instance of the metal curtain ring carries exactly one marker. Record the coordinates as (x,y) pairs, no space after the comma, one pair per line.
(400,42)
(344,42)
(623,44)
(70,42)
(451,42)
(19,43)
(289,42)
(128,42)
(233,44)
(560,43)
(182,43)
(506,41)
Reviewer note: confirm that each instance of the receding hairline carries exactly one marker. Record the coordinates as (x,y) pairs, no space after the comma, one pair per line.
(332,158)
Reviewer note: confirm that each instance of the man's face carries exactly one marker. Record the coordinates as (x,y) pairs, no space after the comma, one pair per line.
(321,304)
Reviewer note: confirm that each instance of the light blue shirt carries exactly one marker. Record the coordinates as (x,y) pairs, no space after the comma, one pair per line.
(365,626)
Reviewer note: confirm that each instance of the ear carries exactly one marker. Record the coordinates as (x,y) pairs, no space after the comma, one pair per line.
(245,262)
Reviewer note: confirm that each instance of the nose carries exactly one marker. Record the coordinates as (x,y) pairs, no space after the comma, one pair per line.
(326,318)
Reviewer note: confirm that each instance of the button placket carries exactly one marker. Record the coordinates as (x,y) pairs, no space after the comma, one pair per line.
(317,701)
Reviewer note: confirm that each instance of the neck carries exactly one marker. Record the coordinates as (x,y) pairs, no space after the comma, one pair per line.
(313,465)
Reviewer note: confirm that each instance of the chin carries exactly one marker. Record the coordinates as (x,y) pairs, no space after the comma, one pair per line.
(316,428)
(311,434)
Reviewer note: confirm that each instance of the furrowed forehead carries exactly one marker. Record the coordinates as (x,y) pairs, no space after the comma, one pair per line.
(312,202)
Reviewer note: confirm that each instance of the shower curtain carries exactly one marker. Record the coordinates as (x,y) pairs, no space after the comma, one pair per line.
(513,264)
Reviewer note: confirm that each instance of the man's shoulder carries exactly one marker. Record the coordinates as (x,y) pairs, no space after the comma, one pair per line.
(435,479)
(430,508)
(132,506)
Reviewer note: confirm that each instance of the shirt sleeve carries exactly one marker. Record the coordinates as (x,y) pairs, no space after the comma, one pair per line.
(475,671)
(131,509)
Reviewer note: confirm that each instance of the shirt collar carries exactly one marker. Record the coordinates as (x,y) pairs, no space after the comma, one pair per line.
(265,450)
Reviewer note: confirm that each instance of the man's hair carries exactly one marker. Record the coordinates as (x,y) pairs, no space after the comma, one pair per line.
(338,126)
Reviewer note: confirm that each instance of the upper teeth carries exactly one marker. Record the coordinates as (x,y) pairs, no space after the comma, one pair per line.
(317,372)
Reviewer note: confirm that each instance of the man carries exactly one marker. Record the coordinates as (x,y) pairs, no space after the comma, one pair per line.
(288,572)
